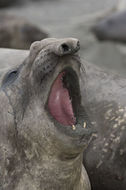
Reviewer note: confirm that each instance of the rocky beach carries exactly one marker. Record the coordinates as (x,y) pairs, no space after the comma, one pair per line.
(73,18)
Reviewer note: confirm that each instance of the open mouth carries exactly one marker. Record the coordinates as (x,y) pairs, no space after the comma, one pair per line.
(64,98)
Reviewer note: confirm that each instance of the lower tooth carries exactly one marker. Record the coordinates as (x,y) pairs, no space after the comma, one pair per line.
(84,126)
(73,127)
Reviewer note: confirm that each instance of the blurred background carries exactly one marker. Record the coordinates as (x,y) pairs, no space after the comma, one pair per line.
(24,21)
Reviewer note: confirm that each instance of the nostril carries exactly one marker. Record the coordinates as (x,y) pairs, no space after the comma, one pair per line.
(65,47)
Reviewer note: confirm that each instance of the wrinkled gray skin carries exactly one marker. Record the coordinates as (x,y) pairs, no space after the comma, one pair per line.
(35,152)
(104,97)
(18,33)
(105,157)
(112,28)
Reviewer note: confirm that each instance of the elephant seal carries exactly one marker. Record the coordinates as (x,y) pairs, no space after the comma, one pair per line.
(105,157)
(43,126)
(18,33)
(112,28)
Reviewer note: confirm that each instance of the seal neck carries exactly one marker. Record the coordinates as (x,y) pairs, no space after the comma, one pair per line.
(68,174)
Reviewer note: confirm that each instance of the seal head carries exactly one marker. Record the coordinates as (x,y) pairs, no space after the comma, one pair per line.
(48,127)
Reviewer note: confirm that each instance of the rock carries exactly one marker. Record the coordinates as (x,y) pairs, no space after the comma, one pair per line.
(111,28)
(18,33)
(5,3)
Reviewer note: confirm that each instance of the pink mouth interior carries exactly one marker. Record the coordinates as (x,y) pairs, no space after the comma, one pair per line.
(59,103)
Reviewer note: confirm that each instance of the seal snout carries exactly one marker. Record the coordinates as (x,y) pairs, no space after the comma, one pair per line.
(68,46)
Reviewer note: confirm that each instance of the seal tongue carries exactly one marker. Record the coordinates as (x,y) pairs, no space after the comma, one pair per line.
(59,103)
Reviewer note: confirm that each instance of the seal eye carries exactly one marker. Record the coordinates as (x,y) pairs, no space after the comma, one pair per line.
(10,78)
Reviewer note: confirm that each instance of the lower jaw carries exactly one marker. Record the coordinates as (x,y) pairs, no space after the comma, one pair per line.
(80,132)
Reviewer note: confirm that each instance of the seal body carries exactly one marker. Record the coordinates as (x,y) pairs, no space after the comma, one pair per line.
(18,33)
(105,157)
(42,149)
(111,28)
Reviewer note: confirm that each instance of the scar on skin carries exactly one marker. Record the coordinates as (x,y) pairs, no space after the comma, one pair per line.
(99,164)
